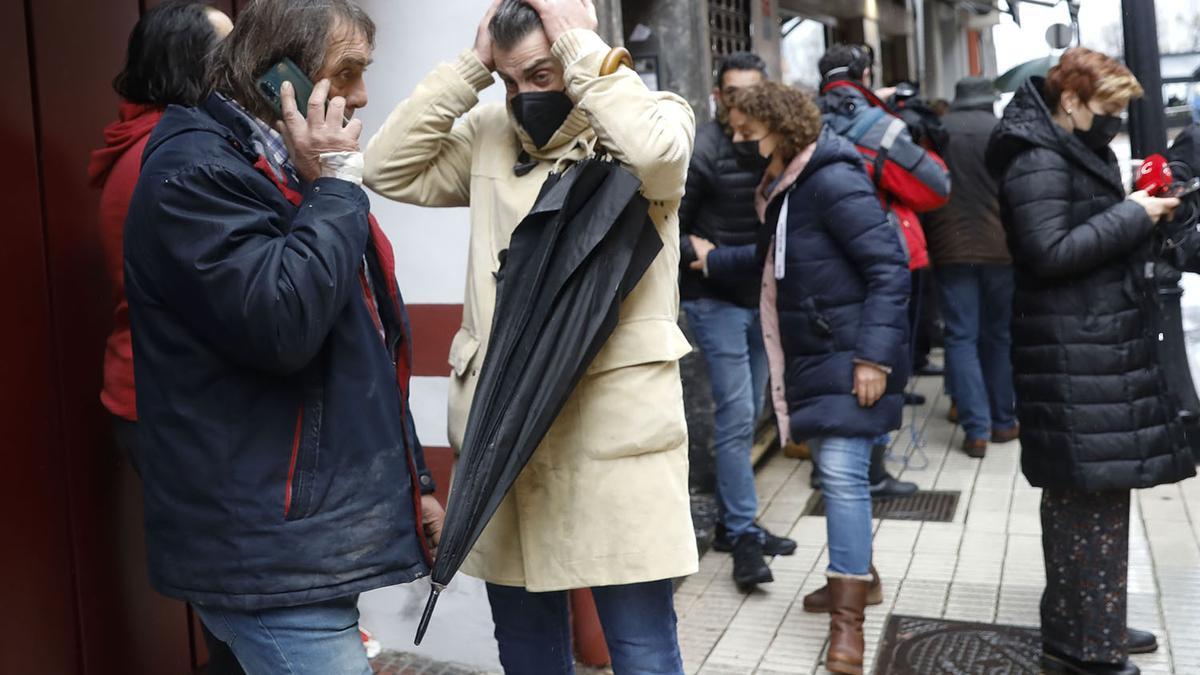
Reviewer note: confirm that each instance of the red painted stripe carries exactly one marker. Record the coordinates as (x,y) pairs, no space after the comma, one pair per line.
(287,493)
(433,328)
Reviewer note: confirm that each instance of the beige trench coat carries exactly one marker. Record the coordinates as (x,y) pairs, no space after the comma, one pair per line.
(604,499)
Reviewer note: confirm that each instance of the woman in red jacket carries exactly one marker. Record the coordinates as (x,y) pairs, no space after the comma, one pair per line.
(166,64)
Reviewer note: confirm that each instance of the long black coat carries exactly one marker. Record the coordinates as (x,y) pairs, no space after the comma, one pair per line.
(843,298)
(1095,409)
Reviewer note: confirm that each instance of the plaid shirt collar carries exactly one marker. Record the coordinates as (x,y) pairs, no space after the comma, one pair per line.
(267,142)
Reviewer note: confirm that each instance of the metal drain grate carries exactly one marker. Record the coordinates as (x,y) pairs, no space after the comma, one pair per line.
(914,645)
(936,506)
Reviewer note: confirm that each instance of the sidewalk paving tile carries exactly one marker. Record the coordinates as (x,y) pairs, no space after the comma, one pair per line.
(984,566)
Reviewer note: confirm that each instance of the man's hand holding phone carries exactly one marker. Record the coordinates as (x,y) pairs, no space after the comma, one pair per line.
(320,132)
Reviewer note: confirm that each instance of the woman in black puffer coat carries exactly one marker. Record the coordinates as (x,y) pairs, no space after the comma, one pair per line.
(1097,416)
(835,321)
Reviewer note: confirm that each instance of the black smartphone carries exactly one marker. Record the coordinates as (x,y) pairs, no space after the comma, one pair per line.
(287,71)
(1182,189)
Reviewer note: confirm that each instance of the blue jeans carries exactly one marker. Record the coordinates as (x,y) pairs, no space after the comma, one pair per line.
(844,465)
(977,308)
(731,339)
(317,639)
(534,629)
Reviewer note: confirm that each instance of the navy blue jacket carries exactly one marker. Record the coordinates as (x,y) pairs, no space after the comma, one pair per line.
(844,296)
(280,461)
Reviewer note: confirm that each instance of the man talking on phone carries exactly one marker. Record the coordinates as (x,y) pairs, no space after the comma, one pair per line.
(282,471)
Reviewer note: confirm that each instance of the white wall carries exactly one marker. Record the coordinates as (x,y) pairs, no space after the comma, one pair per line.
(431,258)
(414,36)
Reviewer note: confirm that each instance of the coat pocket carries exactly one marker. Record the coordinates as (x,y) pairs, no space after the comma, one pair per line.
(299,499)
(630,411)
(462,351)
(807,329)
(463,377)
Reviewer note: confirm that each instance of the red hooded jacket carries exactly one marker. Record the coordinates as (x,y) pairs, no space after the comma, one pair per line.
(115,168)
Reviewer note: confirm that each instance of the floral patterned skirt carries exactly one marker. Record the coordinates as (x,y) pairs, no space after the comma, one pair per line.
(1085,538)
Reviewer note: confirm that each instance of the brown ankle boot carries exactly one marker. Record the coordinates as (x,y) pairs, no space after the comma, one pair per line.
(818,601)
(846,644)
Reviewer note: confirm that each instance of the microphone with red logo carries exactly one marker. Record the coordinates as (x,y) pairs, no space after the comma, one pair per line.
(1155,176)
(1157,179)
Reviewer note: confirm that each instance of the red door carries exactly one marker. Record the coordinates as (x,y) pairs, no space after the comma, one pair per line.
(77,598)
(37,618)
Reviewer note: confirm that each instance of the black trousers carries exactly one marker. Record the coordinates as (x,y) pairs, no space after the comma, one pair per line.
(924,319)
(1085,538)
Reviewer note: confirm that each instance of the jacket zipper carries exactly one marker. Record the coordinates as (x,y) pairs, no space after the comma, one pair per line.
(287,492)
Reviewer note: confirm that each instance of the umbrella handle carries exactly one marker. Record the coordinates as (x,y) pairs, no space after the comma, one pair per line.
(435,589)
(617,57)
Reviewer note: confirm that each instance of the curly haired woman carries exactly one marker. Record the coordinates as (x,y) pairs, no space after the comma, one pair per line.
(835,319)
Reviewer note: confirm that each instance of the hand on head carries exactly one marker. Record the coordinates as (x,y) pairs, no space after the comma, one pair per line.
(561,16)
(558,17)
(483,38)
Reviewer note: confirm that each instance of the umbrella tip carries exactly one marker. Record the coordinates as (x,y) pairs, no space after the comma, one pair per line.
(434,591)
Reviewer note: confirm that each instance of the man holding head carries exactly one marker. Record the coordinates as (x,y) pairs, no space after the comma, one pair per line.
(720,231)
(282,473)
(603,503)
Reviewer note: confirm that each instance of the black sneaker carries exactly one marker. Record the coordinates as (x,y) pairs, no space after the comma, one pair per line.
(883,485)
(775,545)
(884,488)
(889,488)
(772,545)
(749,568)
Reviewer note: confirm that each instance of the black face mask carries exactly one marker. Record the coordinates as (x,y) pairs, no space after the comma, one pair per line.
(1104,129)
(541,113)
(749,156)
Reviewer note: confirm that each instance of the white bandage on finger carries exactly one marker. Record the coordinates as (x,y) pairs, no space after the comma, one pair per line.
(347,166)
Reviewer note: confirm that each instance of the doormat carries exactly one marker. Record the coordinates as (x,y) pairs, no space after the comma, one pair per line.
(914,645)
(936,506)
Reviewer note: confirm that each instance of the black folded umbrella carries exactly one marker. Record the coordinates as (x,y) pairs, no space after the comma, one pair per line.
(581,250)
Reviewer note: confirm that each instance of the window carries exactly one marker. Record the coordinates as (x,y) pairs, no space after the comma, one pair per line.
(728,27)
